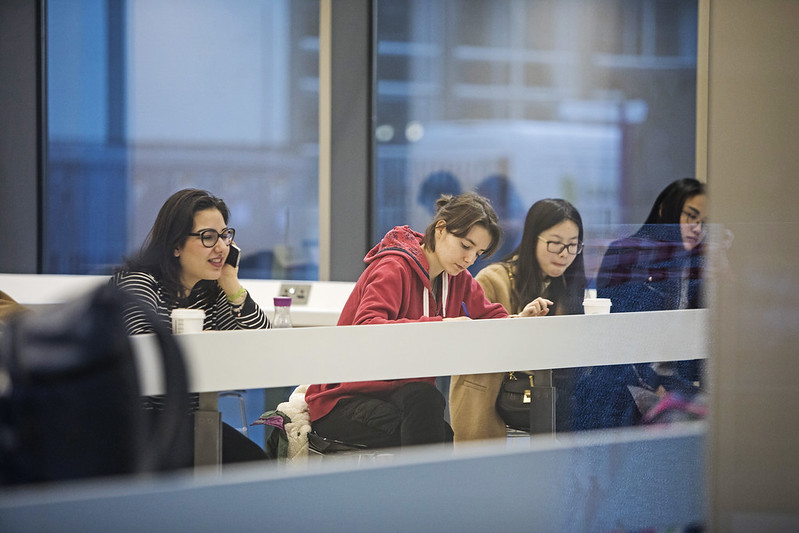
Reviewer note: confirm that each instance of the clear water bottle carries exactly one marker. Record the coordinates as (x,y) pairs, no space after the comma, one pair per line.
(282,314)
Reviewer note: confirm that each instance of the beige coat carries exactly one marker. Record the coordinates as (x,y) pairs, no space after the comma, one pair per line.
(8,306)
(472,396)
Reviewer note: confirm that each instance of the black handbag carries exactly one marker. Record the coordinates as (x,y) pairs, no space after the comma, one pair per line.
(525,407)
(70,402)
(514,399)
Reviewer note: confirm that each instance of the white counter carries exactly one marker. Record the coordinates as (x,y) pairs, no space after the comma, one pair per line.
(326,298)
(222,360)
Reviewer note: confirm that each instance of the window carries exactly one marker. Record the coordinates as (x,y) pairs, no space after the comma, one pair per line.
(592,101)
(140,107)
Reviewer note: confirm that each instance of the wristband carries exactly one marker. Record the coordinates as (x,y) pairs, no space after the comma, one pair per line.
(241,292)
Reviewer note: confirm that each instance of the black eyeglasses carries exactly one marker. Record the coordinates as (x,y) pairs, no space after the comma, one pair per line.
(210,236)
(556,247)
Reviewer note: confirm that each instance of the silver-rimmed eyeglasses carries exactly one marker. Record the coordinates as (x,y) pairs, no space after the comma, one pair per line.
(210,236)
(556,247)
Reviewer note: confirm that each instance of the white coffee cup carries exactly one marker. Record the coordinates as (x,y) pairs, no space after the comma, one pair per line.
(596,306)
(187,320)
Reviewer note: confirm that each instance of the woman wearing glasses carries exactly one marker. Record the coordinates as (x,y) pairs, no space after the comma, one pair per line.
(660,267)
(182,265)
(543,276)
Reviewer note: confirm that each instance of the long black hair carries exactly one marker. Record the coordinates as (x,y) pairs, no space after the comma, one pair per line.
(172,226)
(566,291)
(663,221)
(667,208)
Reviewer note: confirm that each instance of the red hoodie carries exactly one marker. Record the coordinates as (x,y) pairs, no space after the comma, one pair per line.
(393,289)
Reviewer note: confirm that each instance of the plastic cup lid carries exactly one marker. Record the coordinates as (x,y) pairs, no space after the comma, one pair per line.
(597,301)
(188,313)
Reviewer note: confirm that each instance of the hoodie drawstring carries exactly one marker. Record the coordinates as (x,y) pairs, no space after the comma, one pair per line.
(444,294)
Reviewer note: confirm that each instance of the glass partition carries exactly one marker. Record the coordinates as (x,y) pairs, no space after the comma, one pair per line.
(591,101)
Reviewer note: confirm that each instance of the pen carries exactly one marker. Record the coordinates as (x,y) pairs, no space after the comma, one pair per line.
(465,311)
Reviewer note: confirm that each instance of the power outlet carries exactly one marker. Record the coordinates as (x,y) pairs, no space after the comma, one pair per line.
(299,293)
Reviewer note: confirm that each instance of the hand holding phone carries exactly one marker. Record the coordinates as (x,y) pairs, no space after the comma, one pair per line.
(233,256)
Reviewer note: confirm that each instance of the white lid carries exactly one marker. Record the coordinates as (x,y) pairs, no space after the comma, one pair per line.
(597,301)
(188,313)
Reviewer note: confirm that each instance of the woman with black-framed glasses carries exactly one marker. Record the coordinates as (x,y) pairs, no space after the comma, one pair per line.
(544,275)
(182,264)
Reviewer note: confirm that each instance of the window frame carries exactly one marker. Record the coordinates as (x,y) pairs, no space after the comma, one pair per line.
(345,144)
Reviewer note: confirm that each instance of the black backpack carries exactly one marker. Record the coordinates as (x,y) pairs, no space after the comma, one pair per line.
(70,404)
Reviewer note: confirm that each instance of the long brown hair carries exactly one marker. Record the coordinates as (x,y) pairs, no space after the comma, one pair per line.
(461,213)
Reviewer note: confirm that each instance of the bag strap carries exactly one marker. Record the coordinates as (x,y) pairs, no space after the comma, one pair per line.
(162,438)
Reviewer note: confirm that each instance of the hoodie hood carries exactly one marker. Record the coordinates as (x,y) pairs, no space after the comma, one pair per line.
(404,242)
(395,288)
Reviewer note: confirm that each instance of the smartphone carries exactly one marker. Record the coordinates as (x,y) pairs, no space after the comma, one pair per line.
(233,256)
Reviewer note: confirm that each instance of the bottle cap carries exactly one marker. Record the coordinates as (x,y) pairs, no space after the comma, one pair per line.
(282,301)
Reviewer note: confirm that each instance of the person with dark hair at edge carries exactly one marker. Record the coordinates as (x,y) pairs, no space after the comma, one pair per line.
(507,203)
(660,267)
(435,185)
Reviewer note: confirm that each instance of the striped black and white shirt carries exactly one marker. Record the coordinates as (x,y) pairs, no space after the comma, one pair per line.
(219,314)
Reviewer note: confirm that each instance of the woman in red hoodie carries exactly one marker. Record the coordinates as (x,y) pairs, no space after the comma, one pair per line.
(410,277)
